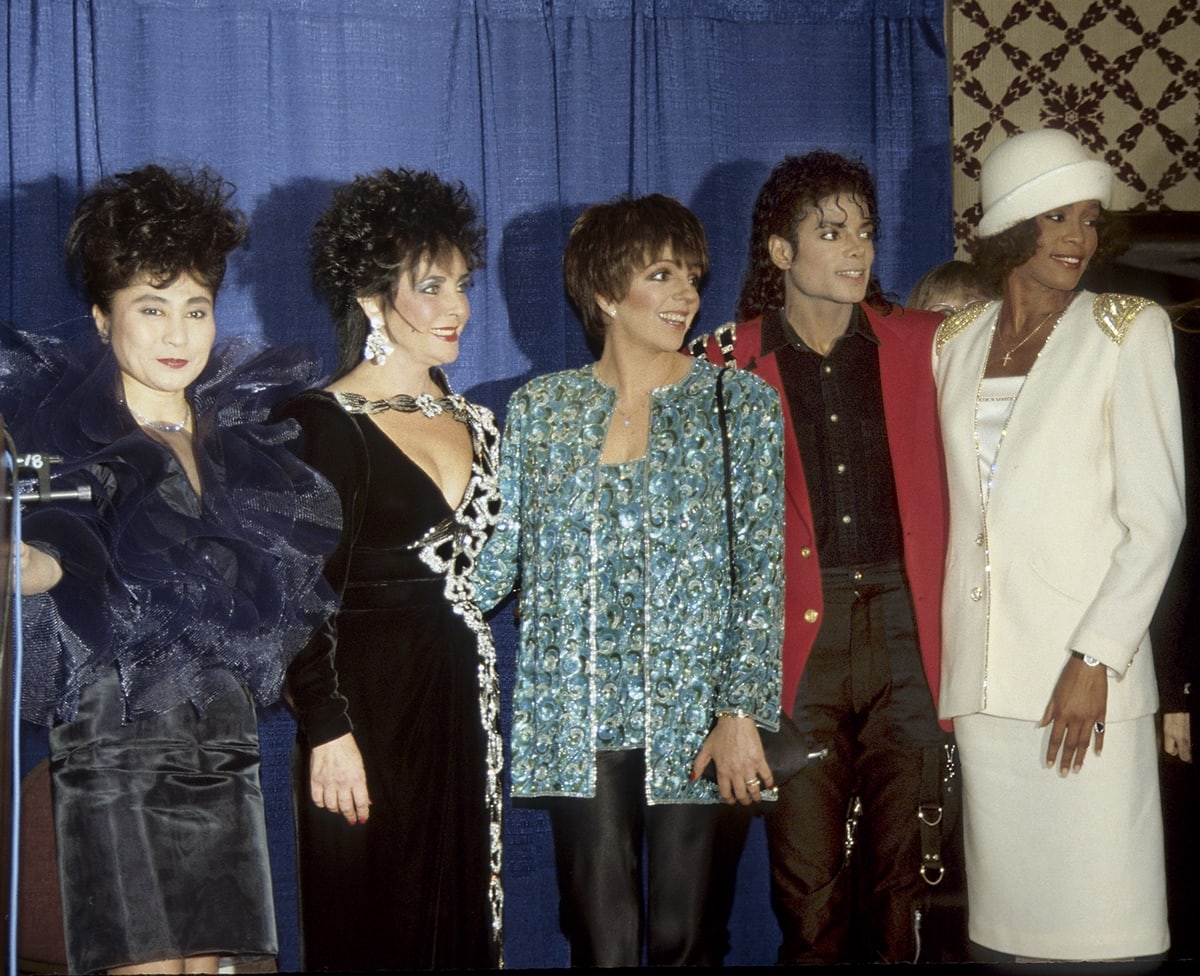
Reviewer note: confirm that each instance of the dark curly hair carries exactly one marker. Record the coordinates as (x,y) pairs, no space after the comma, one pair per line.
(794,187)
(611,241)
(998,256)
(379,227)
(154,222)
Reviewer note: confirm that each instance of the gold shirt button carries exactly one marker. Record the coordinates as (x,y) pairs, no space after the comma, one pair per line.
(806,552)
(810,616)
(977,594)
(979,539)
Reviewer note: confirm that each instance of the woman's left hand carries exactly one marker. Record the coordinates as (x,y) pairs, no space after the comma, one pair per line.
(742,770)
(1076,710)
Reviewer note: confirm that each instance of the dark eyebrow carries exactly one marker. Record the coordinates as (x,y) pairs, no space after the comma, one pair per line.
(152,296)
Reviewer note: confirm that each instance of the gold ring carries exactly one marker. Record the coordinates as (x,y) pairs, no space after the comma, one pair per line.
(754,783)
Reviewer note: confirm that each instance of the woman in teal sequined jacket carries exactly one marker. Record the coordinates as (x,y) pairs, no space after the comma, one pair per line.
(707,649)
(643,653)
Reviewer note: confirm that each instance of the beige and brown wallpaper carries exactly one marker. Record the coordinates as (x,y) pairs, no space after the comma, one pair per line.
(1122,75)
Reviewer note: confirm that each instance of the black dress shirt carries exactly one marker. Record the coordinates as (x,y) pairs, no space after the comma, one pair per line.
(836,406)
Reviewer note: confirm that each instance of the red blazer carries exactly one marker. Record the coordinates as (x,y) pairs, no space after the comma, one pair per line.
(910,410)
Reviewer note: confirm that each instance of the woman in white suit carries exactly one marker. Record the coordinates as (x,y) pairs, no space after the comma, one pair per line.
(1060,418)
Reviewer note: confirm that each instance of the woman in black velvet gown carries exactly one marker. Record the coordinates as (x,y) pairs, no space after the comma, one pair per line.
(398,762)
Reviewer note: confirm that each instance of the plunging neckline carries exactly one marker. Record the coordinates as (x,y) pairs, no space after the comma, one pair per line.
(452,508)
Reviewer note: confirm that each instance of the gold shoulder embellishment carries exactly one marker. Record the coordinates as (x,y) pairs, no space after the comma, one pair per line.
(1115,313)
(952,325)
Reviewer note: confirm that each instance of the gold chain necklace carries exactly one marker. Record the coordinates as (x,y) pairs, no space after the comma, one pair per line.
(1008,353)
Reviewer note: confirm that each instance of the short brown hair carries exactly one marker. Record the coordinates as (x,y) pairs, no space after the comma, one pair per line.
(611,241)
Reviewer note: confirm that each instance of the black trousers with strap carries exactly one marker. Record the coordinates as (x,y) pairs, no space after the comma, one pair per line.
(864,696)
(598,847)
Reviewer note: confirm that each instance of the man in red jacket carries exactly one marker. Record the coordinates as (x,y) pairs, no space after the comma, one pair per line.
(865,542)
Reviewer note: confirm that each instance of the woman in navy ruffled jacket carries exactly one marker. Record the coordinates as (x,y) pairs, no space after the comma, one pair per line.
(160,612)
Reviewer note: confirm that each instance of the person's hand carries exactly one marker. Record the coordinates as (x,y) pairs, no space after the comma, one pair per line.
(1177,735)
(1075,711)
(742,770)
(39,571)
(337,780)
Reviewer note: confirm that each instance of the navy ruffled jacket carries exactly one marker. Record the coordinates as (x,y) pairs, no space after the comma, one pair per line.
(171,587)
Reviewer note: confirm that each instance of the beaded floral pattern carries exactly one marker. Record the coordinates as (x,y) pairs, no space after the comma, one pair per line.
(452,548)
(708,645)
(620,690)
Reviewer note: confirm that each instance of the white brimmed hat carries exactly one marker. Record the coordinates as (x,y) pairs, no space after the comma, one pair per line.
(1036,171)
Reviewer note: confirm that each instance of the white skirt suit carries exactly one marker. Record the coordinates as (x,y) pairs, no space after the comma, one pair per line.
(1069,550)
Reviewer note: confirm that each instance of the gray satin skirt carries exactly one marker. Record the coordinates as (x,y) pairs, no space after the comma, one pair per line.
(162,842)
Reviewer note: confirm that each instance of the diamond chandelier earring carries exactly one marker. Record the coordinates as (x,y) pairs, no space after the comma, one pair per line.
(377,348)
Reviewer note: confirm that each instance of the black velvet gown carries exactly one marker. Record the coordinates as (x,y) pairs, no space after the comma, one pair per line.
(409,665)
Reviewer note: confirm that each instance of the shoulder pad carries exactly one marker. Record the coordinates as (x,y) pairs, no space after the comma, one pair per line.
(954,324)
(1115,313)
(725,336)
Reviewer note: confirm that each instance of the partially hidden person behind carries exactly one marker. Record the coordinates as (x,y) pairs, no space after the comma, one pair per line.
(642,518)
(160,612)
(949,287)
(1060,416)
(864,546)
(398,761)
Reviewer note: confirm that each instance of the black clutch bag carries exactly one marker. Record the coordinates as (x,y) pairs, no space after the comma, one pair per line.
(787,752)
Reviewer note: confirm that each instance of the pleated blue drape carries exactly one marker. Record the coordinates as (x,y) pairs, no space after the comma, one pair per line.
(541,107)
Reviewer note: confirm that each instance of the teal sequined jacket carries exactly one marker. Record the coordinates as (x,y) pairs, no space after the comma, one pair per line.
(710,644)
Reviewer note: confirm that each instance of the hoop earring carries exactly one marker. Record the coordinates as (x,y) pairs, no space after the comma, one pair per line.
(376,348)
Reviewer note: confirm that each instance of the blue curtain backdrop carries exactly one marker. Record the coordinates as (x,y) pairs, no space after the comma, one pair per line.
(541,107)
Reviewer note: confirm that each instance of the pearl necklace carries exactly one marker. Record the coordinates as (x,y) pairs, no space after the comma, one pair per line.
(165,426)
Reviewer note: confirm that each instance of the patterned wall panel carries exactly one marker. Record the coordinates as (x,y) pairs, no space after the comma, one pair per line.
(1122,75)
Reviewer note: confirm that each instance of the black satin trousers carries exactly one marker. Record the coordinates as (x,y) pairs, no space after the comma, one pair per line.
(602,847)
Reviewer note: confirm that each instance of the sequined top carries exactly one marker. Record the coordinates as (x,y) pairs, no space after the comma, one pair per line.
(709,643)
(621,591)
